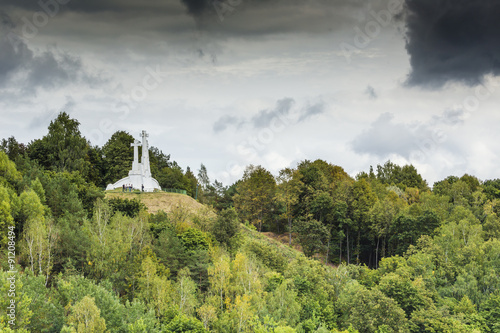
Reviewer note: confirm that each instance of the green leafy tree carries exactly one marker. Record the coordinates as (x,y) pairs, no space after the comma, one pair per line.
(12,148)
(63,148)
(114,243)
(367,310)
(173,178)
(266,254)
(22,314)
(6,219)
(184,324)
(130,208)
(207,313)
(97,167)
(62,197)
(203,178)
(287,194)
(48,313)
(85,317)
(192,181)
(323,209)
(118,156)
(492,188)
(9,176)
(219,275)
(256,192)
(363,200)
(406,176)
(490,310)
(313,236)
(186,292)
(140,318)
(71,289)
(159,161)
(226,229)
(242,312)
(245,275)
(283,305)
(154,287)
(381,216)
(410,295)
(433,320)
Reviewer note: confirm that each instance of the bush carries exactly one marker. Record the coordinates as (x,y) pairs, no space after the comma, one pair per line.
(131,208)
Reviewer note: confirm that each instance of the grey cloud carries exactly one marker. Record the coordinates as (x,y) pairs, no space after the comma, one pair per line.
(93,6)
(370,91)
(282,110)
(264,117)
(42,120)
(48,71)
(254,17)
(13,56)
(310,111)
(452,41)
(451,117)
(198,7)
(223,122)
(20,66)
(263,17)
(5,20)
(386,137)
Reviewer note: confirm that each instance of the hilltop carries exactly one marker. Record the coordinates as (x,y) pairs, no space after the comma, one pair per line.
(156,201)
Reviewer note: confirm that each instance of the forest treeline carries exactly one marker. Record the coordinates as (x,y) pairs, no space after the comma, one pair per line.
(381,252)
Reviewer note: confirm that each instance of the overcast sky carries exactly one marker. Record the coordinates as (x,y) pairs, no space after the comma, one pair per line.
(270,82)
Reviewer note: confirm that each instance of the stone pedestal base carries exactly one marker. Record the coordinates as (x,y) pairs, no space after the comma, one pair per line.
(137,181)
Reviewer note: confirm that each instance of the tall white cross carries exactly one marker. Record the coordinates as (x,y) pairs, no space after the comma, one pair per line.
(146,170)
(135,163)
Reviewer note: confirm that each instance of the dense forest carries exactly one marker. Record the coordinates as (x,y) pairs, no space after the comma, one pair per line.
(381,252)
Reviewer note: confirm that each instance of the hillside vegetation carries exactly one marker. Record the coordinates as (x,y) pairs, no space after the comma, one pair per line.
(380,253)
(156,201)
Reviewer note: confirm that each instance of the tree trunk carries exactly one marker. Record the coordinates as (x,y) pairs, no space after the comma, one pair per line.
(348,248)
(328,248)
(290,230)
(383,247)
(358,246)
(340,251)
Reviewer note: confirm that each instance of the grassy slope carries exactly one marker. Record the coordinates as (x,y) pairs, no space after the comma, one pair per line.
(270,238)
(156,201)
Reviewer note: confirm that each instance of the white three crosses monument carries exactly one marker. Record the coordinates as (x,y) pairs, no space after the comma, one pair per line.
(140,175)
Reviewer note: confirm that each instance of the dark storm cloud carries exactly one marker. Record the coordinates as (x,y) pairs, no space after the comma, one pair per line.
(219,18)
(89,6)
(20,66)
(198,7)
(455,40)
(5,20)
(252,17)
(13,56)
(259,17)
